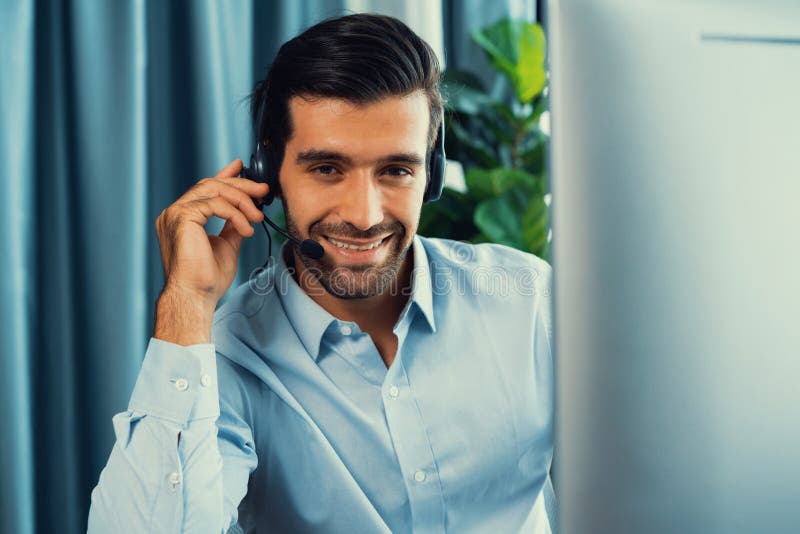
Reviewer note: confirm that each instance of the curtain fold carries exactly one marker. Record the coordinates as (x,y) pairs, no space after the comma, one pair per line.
(16,217)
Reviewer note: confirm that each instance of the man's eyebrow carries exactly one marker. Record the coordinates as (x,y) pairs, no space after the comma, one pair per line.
(409,158)
(316,156)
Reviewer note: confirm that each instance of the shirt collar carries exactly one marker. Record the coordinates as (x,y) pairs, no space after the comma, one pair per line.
(311,321)
(422,289)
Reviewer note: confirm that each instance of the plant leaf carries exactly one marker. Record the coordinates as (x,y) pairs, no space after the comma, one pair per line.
(535,226)
(517,49)
(477,149)
(485,183)
(506,112)
(500,218)
(540,105)
(534,159)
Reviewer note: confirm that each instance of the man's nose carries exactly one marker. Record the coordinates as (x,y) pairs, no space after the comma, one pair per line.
(363,203)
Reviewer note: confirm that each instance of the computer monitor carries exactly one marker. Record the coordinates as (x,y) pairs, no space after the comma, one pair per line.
(676,251)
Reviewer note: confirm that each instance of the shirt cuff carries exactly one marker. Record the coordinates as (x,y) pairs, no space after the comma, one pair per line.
(177,383)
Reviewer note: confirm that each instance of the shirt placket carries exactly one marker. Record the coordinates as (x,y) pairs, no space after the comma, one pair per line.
(412,446)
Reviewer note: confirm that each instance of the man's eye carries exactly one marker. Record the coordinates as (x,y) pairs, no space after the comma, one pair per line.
(398,171)
(324,169)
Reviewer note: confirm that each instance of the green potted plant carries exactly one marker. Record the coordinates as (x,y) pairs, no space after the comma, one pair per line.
(500,144)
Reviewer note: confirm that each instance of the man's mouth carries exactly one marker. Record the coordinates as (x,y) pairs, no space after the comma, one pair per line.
(356,245)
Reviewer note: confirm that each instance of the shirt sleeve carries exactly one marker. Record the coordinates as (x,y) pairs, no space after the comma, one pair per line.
(179,463)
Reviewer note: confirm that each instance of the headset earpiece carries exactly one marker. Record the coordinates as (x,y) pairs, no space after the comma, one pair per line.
(262,168)
(262,161)
(436,171)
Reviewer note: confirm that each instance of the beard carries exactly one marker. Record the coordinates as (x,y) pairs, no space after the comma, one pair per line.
(353,281)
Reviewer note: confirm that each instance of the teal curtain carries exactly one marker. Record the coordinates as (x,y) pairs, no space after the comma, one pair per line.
(109,110)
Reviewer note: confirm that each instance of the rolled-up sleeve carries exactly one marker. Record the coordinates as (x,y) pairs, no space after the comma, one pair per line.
(166,472)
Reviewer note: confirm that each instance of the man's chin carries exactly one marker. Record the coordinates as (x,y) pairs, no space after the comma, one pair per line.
(345,283)
(353,296)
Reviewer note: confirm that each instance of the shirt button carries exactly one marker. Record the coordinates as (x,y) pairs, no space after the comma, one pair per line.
(181,384)
(394,392)
(174,479)
(205,380)
(346,330)
(419,476)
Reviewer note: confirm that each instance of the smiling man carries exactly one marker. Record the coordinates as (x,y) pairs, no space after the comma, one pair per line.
(398,383)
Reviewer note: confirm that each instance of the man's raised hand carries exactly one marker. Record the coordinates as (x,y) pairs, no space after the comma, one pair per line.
(198,267)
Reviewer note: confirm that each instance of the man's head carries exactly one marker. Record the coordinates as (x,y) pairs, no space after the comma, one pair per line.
(351,108)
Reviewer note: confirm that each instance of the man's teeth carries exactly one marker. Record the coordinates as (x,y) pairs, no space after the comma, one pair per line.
(340,244)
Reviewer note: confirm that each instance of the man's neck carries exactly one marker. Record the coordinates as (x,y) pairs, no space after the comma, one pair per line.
(377,314)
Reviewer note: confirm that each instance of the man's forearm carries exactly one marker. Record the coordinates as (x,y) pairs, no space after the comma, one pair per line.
(182,319)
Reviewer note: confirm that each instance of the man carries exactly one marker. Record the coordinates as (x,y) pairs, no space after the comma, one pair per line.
(402,388)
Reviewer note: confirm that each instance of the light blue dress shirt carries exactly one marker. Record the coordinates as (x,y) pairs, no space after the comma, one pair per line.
(291,422)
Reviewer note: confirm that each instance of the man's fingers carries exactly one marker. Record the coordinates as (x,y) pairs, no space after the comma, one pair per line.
(236,197)
(219,207)
(231,169)
(239,191)
(254,189)
(230,234)
(241,200)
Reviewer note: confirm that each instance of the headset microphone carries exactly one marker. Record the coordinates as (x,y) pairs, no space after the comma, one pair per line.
(308,247)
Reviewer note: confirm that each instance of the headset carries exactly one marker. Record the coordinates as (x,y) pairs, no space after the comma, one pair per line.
(264,168)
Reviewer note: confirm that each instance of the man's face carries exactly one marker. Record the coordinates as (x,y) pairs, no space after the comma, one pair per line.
(356,176)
